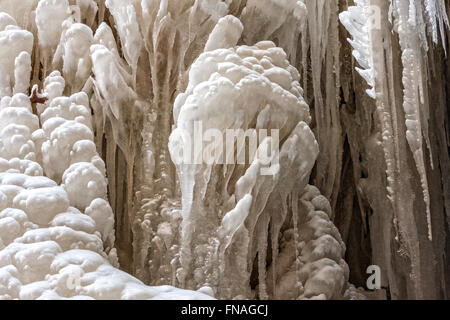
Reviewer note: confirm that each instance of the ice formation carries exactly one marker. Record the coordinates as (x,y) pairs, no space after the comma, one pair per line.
(100,102)
(57,229)
(256,88)
(413,21)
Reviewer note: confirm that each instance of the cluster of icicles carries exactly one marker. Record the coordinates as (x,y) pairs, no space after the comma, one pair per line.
(412,22)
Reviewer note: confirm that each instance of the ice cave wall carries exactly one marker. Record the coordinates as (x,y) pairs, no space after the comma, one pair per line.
(377,112)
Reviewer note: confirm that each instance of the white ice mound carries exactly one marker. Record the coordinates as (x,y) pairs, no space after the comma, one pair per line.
(233,210)
(56,241)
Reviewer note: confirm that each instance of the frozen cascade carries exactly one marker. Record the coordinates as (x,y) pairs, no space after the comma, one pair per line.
(92,89)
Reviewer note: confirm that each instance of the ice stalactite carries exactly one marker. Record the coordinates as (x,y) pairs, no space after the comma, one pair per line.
(362,21)
(16,47)
(124,14)
(113,87)
(243,88)
(73,52)
(436,17)
(50,15)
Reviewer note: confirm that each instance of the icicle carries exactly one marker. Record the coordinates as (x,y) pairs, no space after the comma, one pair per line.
(262,233)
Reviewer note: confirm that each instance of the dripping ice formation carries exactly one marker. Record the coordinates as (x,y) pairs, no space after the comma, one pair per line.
(233,233)
(57,240)
(99,101)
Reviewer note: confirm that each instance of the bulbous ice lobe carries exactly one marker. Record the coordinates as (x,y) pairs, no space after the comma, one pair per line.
(42,204)
(22,72)
(15,142)
(54,85)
